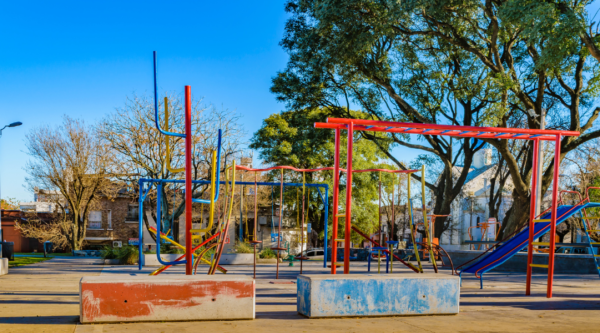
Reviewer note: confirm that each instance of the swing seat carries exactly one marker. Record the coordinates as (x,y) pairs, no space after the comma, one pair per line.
(278,249)
(301,258)
(255,242)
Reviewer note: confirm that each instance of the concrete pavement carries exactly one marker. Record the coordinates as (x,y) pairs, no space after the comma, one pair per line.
(43,298)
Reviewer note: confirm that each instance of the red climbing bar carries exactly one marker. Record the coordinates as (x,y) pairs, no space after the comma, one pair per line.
(287,167)
(188,181)
(446,130)
(532,214)
(554,216)
(336,192)
(348,222)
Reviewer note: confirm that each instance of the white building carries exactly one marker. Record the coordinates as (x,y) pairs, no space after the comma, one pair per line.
(471,206)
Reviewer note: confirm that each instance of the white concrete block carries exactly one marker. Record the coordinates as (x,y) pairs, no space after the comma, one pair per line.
(377,295)
(3,266)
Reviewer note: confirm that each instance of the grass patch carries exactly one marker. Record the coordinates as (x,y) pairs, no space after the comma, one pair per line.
(267,254)
(242,247)
(22,261)
(127,255)
(68,254)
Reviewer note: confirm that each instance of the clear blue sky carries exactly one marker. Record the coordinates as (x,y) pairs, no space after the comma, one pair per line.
(83,58)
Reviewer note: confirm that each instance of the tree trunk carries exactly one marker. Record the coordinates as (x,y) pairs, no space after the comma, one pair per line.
(516,216)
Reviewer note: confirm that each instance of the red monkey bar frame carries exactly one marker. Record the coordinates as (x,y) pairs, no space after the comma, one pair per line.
(351,125)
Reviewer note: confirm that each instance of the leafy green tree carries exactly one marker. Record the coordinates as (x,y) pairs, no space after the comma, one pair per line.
(289,138)
(448,62)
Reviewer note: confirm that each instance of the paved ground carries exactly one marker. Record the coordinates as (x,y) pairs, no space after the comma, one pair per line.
(44,298)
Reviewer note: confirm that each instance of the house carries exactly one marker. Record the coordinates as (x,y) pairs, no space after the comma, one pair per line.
(112,220)
(11,234)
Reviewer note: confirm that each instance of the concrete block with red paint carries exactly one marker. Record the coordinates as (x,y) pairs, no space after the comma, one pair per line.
(165,298)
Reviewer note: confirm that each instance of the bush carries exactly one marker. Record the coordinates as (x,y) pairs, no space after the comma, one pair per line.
(108,252)
(167,248)
(206,255)
(267,254)
(128,255)
(242,247)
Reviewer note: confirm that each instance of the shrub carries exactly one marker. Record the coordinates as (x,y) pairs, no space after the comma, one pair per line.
(243,247)
(128,255)
(167,248)
(108,252)
(267,254)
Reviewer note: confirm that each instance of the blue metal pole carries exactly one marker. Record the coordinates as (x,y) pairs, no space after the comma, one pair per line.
(140,228)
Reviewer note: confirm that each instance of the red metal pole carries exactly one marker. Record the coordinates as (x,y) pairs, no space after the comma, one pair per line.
(554,216)
(336,193)
(379,213)
(188,180)
(534,179)
(348,200)
(391,237)
(279,236)
(255,219)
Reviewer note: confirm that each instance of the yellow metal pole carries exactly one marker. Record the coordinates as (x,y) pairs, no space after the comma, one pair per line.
(412,229)
(426,220)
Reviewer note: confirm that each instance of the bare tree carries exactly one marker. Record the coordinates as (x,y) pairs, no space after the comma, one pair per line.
(9,203)
(141,150)
(71,162)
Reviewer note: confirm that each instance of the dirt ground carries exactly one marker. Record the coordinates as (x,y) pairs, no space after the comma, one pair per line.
(44,297)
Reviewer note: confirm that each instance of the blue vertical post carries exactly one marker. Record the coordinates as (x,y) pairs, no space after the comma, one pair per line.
(140,228)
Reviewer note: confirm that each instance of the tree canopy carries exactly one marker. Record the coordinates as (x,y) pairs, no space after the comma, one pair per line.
(289,138)
(492,63)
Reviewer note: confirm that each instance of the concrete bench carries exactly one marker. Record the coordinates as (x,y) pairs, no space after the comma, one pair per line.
(165,298)
(377,295)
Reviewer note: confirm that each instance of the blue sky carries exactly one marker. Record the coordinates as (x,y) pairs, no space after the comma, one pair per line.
(83,59)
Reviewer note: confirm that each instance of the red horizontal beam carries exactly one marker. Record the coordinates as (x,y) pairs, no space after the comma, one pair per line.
(445,130)
(287,167)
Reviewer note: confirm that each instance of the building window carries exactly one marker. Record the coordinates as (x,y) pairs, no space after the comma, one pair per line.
(132,213)
(95,219)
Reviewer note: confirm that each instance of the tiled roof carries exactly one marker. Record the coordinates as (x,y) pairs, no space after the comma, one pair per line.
(473,173)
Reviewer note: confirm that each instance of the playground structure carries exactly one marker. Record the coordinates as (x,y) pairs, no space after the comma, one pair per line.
(324,199)
(480,232)
(351,125)
(504,250)
(146,184)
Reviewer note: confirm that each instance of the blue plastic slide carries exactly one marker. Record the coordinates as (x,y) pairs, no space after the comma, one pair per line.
(497,257)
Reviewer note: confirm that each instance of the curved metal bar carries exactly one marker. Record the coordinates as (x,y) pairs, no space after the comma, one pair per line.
(158,223)
(218,175)
(168,140)
(241,167)
(226,227)
(156,107)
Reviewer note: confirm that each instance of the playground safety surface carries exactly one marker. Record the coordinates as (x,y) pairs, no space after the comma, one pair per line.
(44,297)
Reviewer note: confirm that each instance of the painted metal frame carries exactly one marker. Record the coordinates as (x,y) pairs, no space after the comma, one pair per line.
(145,184)
(351,125)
